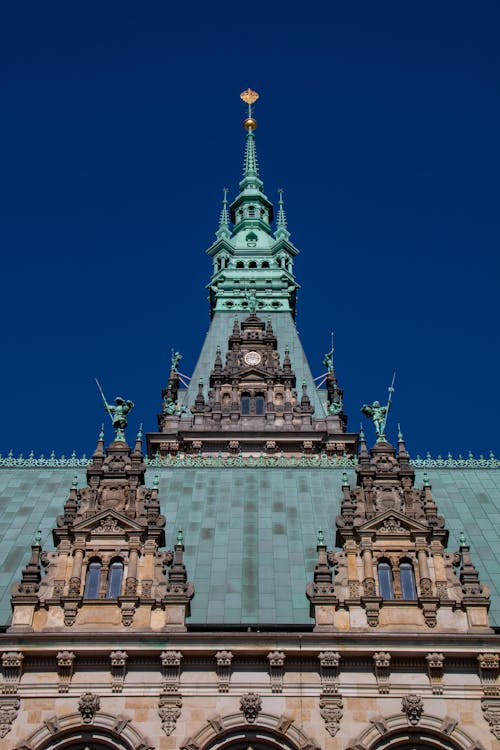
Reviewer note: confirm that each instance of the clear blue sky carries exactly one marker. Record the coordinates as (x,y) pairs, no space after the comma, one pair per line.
(121,124)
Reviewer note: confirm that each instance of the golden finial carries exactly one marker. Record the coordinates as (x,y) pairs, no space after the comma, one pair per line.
(250,97)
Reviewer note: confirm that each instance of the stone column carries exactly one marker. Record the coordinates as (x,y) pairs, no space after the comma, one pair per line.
(131,582)
(368,579)
(424,575)
(75,581)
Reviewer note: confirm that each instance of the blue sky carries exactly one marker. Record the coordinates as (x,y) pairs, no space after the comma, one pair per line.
(121,124)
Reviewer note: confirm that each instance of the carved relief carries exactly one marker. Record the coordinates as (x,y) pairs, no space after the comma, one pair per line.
(9,708)
(491,712)
(488,665)
(276,663)
(224,660)
(382,665)
(329,671)
(169,710)
(12,667)
(331,710)
(413,706)
(171,669)
(118,661)
(251,705)
(88,705)
(65,663)
(435,666)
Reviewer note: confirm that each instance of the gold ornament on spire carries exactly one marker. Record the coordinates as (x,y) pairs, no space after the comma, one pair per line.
(250,97)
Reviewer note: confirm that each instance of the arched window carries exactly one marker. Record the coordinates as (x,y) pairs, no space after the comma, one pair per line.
(252,264)
(115,579)
(385,580)
(259,404)
(407,578)
(93,580)
(240,264)
(245,404)
(265,264)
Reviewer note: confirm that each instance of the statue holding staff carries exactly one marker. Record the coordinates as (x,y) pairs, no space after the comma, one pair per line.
(378,413)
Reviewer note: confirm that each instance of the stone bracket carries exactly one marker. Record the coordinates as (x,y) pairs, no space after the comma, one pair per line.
(331,709)
(276,670)
(224,660)
(382,667)
(12,668)
(435,670)
(329,671)
(118,661)
(171,670)
(488,666)
(65,666)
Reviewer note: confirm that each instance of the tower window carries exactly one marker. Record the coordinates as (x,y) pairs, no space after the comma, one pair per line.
(245,404)
(115,580)
(385,580)
(252,264)
(265,264)
(240,264)
(259,404)
(93,580)
(251,210)
(407,577)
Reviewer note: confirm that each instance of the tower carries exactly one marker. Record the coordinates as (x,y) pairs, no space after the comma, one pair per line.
(307,597)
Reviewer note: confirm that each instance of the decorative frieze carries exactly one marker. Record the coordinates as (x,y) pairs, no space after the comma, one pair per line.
(118,661)
(276,663)
(12,668)
(488,665)
(224,660)
(329,671)
(382,667)
(88,705)
(9,707)
(413,706)
(65,665)
(169,710)
(435,668)
(331,709)
(171,670)
(251,705)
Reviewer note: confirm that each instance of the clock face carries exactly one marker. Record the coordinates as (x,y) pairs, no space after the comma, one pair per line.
(252,358)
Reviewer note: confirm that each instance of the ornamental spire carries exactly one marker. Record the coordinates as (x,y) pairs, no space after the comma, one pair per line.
(250,164)
(282,232)
(223,231)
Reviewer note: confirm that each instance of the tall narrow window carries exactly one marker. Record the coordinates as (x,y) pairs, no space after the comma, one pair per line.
(407,577)
(115,579)
(245,404)
(385,580)
(259,404)
(93,580)
(251,210)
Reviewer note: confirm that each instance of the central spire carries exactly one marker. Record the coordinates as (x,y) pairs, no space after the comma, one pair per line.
(247,256)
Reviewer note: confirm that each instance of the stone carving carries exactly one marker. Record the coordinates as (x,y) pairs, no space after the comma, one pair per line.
(88,705)
(70,610)
(251,705)
(276,663)
(369,587)
(331,710)
(65,662)
(12,667)
(128,612)
(488,673)
(171,669)
(9,708)
(109,524)
(118,661)
(224,660)
(382,664)
(413,706)
(491,712)
(329,670)
(435,665)
(169,710)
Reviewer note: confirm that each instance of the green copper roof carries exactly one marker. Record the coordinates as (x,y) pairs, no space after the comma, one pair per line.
(286,332)
(250,534)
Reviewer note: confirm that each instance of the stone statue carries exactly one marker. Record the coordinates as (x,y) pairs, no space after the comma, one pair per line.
(377,414)
(335,407)
(252,300)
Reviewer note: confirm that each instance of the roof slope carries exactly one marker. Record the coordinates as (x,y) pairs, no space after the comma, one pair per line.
(284,329)
(250,533)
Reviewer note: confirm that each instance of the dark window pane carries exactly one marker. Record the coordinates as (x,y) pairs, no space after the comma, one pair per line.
(115,580)
(259,404)
(245,404)
(93,581)
(385,580)
(408,589)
